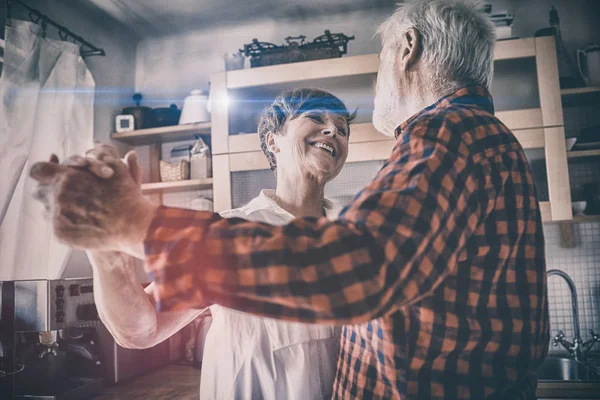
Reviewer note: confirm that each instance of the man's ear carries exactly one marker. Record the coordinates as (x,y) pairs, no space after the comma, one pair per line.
(410,49)
(271,143)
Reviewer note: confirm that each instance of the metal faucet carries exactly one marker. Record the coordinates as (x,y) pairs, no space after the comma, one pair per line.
(577,349)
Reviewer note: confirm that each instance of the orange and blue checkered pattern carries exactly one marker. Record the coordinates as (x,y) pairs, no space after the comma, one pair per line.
(436,268)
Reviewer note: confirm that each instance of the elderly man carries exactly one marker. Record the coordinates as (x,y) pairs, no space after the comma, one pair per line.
(436,267)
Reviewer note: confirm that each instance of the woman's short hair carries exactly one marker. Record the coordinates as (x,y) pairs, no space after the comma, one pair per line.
(458,40)
(289,105)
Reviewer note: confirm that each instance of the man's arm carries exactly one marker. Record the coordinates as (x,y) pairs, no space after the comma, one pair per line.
(393,245)
(126,309)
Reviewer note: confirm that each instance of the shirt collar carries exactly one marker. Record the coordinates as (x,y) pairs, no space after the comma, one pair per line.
(476,95)
(266,199)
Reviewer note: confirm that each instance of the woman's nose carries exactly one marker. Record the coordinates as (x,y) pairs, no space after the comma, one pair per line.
(329,132)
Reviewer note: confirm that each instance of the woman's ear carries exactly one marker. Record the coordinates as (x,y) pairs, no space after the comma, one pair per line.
(271,143)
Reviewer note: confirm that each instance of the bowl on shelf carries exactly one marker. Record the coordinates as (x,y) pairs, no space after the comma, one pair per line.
(579,207)
(571,143)
(166,116)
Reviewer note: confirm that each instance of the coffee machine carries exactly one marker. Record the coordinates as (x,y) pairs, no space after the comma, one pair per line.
(52,335)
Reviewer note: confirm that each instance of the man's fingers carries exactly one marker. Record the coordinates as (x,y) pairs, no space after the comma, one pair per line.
(46,172)
(76,161)
(103,152)
(100,169)
(132,161)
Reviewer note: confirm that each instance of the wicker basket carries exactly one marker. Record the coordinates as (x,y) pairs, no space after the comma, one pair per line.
(174,171)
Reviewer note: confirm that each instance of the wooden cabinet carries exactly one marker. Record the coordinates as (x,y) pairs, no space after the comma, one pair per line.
(540,127)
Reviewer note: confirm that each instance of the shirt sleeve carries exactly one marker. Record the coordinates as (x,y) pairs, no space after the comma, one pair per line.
(391,246)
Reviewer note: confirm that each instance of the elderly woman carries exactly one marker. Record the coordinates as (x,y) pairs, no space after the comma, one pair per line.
(304,134)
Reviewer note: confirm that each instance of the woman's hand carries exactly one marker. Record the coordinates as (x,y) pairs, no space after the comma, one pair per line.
(91,207)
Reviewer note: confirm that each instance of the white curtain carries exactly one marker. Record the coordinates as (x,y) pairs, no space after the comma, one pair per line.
(47,107)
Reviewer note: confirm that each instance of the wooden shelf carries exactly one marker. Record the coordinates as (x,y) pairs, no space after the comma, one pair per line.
(177,186)
(586,218)
(347,66)
(303,71)
(582,90)
(163,134)
(583,96)
(583,153)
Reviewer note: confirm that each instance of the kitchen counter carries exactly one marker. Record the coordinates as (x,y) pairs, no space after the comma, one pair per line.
(581,381)
(568,390)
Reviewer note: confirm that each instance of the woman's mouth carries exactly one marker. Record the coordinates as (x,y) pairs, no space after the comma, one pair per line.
(324,147)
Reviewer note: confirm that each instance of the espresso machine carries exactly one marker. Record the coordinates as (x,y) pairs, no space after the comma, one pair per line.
(54,351)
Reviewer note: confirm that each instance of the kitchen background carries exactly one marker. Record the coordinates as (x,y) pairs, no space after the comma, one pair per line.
(164,49)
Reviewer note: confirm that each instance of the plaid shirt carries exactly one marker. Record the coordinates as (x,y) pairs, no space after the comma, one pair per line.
(436,267)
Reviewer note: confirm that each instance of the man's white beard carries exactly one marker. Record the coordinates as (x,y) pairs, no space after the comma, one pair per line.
(388,113)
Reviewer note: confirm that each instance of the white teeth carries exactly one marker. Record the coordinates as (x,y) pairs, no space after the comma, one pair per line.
(324,146)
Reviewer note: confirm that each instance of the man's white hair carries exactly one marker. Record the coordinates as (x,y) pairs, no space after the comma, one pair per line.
(457,37)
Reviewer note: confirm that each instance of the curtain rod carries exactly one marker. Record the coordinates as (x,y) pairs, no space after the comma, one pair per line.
(63,32)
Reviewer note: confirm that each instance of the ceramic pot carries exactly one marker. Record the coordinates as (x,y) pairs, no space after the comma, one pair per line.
(588,60)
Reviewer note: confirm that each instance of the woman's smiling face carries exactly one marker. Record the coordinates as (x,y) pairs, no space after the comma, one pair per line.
(315,143)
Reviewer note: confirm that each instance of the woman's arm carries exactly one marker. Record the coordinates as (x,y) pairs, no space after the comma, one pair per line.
(126,309)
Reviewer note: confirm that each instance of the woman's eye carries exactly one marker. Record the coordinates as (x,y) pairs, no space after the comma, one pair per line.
(315,117)
(342,131)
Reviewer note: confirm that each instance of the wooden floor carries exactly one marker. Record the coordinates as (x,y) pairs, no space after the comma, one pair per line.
(173,382)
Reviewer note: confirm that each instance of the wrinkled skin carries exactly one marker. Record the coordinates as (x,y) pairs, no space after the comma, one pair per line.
(86,208)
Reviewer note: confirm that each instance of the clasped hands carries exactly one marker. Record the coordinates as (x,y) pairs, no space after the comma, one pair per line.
(95,202)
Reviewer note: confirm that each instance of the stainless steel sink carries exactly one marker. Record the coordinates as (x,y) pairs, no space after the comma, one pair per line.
(564,369)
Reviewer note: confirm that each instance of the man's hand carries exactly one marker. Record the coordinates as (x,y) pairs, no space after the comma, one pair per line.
(92,207)
(99,159)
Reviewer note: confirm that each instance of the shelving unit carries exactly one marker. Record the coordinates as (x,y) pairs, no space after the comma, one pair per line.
(155,137)
(541,127)
(578,97)
(535,128)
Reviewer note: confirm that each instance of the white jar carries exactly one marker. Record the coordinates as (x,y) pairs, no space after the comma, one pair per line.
(195,108)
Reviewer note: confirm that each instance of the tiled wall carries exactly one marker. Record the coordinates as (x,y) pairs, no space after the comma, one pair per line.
(582,263)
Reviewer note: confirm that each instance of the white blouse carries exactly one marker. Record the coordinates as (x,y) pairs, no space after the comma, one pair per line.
(250,357)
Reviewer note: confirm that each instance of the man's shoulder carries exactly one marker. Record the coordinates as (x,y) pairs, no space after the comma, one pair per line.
(463,130)
(455,118)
